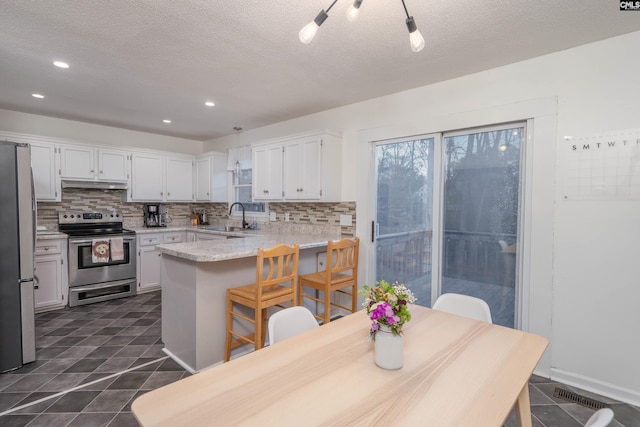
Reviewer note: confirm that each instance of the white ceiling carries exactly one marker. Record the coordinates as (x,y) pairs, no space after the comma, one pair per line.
(136,62)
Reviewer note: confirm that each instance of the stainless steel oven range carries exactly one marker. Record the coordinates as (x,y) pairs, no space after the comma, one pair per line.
(102,256)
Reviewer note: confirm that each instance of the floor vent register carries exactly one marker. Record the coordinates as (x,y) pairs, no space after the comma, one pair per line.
(577,398)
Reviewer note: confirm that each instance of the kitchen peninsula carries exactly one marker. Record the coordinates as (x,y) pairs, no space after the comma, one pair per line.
(194,279)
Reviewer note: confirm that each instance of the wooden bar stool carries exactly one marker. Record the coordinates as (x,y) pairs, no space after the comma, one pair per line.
(341,273)
(276,283)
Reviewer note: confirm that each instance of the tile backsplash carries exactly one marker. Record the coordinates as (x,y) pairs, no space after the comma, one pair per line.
(307,217)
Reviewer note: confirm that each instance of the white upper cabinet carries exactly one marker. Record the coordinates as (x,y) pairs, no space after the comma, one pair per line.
(299,167)
(203,181)
(161,178)
(211,177)
(267,172)
(147,178)
(179,179)
(44,164)
(80,162)
(77,162)
(302,172)
(113,165)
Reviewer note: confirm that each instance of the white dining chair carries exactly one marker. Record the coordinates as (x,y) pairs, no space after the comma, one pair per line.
(464,305)
(601,418)
(289,322)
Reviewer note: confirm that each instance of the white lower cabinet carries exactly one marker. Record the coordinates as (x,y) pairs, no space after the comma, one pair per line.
(51,285)
(148,262)
(149,257)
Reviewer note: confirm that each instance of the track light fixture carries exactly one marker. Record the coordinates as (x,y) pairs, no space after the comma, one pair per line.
(310,30)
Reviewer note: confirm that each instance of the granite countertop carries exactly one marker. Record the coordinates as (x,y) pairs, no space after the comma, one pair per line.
(225,249)
(197,228)
(50,235)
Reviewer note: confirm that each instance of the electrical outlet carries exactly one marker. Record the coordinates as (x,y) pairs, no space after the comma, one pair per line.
(286,217)
(272,216)
(346,220)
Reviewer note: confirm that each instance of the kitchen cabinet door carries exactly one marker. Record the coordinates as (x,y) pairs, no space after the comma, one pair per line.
(77,162)
(50,270)
(149,261)
(147,178)
(302,169)
(48,291)
(113,165)
(179,180)
(267,172)
(203,179)
(211,178)
(44,160)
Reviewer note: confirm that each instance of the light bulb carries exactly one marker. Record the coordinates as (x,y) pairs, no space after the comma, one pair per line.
(308,32)
(416,40)
(354,10)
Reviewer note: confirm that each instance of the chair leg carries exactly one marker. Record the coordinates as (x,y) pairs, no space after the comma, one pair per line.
(258,336)
(227,348)
(264,327)
(354,298)
(327,306)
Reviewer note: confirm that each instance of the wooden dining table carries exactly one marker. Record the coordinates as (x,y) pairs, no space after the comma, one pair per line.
(456,372)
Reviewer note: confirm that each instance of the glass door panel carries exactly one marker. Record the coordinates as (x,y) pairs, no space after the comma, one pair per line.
(404,214)
(481,198)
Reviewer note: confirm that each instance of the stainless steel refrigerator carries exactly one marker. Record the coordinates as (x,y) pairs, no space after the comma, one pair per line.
(17,241)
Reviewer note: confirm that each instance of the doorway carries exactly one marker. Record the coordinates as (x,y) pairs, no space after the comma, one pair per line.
(448,215)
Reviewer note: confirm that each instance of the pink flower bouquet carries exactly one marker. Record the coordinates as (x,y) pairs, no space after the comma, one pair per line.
(386,306)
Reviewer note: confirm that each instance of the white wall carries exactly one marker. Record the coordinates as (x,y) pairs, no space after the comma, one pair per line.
(581,269)
(31,124)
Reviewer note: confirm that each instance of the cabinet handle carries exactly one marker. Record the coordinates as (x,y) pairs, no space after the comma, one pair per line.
(168,194)
(46,248)
(162,193)
(101,172)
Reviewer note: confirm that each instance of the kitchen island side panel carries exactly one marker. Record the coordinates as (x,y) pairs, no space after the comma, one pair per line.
(178,280)
(193,304)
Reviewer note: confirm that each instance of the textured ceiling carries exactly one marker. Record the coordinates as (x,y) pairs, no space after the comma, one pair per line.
(136,62)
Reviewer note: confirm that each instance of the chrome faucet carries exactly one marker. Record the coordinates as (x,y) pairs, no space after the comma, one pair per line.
(245,224)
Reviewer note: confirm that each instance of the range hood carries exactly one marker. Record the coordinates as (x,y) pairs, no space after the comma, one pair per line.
(97,185)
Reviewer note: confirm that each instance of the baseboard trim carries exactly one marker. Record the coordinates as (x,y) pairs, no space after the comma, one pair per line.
(603,388)
(179,361)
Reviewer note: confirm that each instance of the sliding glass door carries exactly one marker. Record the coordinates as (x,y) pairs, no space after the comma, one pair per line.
(465,226)
(404,214)
(480,211)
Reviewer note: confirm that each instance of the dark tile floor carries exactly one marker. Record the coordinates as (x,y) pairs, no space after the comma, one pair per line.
(94,360)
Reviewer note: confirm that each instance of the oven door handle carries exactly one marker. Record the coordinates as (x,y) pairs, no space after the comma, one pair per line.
(100,286)
(82,242)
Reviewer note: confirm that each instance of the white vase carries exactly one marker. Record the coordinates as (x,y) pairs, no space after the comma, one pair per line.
(388,349)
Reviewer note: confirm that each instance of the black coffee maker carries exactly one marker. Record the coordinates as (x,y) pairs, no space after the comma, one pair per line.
(155,215)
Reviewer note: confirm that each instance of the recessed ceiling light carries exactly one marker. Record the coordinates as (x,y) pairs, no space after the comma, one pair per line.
(37,95)
(166,121)
(209,104)
(60,64)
